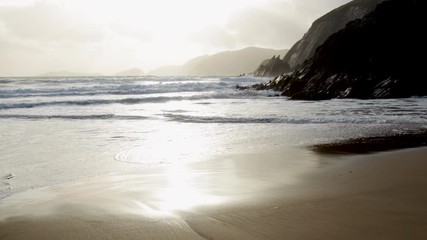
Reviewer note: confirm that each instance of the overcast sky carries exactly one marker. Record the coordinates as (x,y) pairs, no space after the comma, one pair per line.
(107,36)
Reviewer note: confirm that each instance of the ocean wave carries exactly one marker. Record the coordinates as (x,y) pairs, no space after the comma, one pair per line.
(232,119)
(4,81)
(112,86)
(293,120)
(92,91)
(73,117)
(85,102)
(216,119)
(133,100)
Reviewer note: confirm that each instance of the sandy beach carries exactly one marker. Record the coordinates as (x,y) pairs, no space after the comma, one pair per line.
(377,196)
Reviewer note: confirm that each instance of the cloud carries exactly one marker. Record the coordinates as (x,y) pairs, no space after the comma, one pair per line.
(216,36)
(37,36)
(267,27)
(46,22)
(42,37)
(276,24)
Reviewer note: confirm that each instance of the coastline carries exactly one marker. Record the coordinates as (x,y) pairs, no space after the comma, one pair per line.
(377,196)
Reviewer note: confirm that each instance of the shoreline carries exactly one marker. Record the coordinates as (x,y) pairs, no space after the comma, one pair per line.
(376,196)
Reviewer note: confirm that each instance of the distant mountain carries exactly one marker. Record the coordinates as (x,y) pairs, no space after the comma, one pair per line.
(131,72)
(229,63)
(357,61)
(68,74)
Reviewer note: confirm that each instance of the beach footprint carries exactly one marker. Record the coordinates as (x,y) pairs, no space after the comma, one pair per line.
(9,176)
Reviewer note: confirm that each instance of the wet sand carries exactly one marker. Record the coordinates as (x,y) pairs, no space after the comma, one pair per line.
(377,196)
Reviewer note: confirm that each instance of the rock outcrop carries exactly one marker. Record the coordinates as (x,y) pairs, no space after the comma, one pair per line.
(324,27)
(377,56)
(272,67)
(319,31)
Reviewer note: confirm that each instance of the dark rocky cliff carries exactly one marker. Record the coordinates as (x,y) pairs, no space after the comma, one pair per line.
(324,27)
(320,30)
(378,56)
(272,67)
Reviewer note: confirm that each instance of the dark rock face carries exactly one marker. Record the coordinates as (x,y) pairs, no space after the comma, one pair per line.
(320,30)
(272,67)
(324,27)
(373,57)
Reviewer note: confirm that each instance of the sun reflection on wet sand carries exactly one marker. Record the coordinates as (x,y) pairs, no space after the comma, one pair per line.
(181,192)
(168,192)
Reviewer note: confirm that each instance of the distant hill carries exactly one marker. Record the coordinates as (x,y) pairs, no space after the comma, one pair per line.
(68,74)
(228,63)
(131,72)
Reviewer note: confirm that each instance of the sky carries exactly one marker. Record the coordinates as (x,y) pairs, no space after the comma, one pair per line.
(108,36)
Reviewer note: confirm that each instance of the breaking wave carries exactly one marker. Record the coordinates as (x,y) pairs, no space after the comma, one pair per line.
(110,86)
(127,101)
(294,120)
(73,117)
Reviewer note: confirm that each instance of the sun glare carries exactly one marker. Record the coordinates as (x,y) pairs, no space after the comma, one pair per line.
(163,27)
(182,194)
(159,16)
(108,36)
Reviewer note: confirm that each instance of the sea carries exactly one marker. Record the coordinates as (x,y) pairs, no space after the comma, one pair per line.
(56,130)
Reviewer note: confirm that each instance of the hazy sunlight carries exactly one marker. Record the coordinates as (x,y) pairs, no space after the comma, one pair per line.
(104,37)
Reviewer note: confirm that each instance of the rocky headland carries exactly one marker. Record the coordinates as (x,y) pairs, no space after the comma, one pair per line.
(319,31)
(272,67)
(378,56)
